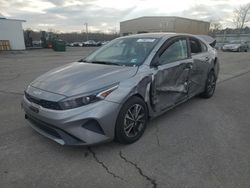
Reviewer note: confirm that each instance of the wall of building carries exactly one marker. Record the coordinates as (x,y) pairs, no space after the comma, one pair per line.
(191,26)
(163,24)
(12,30)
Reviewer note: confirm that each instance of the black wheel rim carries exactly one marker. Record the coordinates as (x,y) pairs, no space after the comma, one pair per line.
(211,84)
(134,120)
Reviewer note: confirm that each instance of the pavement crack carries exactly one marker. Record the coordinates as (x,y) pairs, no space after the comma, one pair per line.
(152,181)
(103,165)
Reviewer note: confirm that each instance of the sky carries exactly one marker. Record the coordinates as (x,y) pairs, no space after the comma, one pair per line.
(105,15)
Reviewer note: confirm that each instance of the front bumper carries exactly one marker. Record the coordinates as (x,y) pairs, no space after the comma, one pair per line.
(87,125)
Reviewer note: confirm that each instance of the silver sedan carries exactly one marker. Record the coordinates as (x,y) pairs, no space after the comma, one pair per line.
(112,93)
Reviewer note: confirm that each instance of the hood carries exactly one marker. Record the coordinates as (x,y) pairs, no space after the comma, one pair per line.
(78,78)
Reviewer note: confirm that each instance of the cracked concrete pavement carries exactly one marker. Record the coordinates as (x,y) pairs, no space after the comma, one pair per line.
(201,143)
(103,165)
(152,181)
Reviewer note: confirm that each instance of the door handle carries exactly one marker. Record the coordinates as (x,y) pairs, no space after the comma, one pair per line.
(206,59)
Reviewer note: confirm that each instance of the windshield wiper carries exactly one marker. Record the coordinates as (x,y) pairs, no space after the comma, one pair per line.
(105,63)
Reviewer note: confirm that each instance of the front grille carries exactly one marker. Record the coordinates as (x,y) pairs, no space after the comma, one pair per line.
(44,128)
(44,103)
(54,131)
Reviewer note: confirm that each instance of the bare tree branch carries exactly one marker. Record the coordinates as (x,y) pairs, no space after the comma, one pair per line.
(215,26)
(241,16)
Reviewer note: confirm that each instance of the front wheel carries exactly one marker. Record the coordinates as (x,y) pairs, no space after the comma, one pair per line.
(210,85)
(131,121)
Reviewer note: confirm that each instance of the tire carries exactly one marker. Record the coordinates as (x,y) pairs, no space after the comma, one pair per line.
(129,126)
(210,85)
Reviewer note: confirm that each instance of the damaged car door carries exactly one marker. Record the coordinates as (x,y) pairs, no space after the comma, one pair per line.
(172,65)
(201,59)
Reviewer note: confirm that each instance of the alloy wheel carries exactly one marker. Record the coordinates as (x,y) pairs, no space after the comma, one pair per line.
(211,83)
(134,120)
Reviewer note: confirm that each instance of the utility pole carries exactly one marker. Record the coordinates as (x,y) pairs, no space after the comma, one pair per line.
(86,25)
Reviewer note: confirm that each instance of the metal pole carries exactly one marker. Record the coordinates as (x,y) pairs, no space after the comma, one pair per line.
(86,25)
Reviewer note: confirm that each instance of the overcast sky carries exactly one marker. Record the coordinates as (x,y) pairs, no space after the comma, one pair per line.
(105,15)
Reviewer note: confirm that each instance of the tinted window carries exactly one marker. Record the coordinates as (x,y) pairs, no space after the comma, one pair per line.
(176,51)
(195,46)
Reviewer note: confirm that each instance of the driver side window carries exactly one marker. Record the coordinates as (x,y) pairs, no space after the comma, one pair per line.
(175,52)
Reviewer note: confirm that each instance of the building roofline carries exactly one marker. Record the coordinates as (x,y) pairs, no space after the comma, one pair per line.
(164,17)
(12,19)
(160,35)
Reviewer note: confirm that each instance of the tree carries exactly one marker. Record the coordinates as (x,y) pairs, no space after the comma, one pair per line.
(241,16)
(215,26)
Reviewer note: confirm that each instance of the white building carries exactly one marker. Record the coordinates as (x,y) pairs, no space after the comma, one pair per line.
(12,30)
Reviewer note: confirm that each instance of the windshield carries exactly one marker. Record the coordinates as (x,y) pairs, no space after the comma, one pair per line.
(124,51)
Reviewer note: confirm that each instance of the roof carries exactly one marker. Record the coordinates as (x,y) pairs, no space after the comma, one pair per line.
(160,17)
(2,18)
(151,35)
(157,35)
(204,38)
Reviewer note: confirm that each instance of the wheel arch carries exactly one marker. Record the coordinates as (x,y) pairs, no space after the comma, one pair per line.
(215,67)
(116,128)
(142,98)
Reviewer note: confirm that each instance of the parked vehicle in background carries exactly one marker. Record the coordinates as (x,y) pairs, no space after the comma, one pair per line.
(236,46)
(98,43)
(36,43)
(90,43)
(105,42)
(115,90)
(76,44)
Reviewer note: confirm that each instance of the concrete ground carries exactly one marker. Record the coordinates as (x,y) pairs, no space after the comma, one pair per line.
(202,143)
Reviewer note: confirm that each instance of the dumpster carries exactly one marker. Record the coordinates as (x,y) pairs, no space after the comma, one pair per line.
(59,45)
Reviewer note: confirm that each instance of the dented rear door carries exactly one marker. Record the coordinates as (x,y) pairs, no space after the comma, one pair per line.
(200,68)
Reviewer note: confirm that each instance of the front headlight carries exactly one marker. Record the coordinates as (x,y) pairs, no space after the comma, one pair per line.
(78,101)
